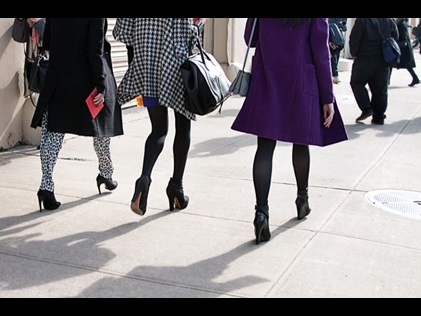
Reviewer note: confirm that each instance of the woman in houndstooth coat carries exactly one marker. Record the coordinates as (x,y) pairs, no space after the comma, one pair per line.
(160,46)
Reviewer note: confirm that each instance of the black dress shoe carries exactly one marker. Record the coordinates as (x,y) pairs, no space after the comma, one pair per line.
(365,114)
(377,121)
(414,82)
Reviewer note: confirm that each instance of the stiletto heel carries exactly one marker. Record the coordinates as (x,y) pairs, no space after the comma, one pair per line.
(261,224)
(140,196)
(110,184)
(303,208)
(40,201)
(47,199)
(176,197)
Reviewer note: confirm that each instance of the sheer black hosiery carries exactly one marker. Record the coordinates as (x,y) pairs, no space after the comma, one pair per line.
(181,145)
(262,169)
(301,164)
(156,140)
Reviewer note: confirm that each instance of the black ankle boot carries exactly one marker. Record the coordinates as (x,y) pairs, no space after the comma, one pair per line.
(261,224)
(303,208)
(176,197)
(47,199)
(140,196)
(109,183)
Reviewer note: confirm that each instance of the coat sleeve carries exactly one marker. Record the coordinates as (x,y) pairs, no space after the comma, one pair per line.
(355,37)
(47,35)
(395,32)
(95,52)
(123,30)
(319,37)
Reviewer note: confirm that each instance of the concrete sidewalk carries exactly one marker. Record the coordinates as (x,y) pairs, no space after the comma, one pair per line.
(94,246)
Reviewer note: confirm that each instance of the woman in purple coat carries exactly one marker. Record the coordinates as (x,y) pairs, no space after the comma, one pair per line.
(290,99)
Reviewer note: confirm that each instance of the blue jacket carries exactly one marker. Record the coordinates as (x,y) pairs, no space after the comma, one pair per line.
(341,22)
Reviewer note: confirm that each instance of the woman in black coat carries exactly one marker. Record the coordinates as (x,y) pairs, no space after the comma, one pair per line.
(80,61)
(407,60)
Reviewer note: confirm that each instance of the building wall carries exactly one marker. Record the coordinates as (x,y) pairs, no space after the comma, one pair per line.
(224,38)
(16,112)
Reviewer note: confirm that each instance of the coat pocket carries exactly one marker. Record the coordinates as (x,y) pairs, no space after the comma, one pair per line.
(310,80)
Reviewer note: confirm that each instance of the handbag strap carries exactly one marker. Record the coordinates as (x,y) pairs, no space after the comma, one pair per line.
(376,23)
(202,53)
(249,43)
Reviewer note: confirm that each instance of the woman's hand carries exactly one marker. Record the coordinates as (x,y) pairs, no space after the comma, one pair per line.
(328,113)
(99,99)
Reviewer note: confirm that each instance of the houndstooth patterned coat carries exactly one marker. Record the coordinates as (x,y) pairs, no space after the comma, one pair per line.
(160,46)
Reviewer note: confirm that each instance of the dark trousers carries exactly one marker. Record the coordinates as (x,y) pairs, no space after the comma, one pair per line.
(334,60)
(373,72)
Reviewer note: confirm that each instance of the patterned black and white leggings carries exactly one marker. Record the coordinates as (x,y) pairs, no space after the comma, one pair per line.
(51,144)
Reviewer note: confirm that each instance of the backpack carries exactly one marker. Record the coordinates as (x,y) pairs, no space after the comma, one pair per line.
(336,36)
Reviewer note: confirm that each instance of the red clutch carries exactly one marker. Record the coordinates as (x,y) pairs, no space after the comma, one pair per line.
(94,109)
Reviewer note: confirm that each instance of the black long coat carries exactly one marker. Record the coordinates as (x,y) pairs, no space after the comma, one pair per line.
(405,44)
(80,60)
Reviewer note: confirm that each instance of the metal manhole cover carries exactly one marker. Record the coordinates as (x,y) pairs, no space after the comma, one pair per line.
(405,203)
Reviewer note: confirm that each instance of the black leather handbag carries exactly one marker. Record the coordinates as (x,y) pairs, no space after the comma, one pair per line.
(36,71)
(205,82)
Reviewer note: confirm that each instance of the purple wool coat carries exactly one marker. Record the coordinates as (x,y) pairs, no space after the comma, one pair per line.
(291,80)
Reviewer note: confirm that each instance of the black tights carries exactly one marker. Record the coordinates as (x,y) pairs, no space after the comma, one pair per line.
(156,140)
(263,163)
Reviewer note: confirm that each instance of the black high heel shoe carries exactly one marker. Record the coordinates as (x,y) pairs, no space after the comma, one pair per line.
(176,197)
(261,224)
(140,196)
(110,184)
(303,208)
(47,199)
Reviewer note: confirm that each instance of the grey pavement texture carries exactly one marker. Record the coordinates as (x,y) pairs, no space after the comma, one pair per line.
(94,246)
